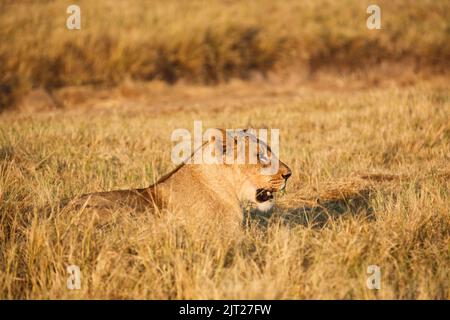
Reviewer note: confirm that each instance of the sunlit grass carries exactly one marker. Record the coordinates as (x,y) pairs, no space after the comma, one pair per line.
(333,222)
(211,41)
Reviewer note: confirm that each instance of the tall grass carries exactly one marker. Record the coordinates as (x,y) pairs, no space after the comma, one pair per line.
(336,219)
(210,41)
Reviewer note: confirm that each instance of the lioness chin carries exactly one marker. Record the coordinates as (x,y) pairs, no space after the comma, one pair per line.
(214,189)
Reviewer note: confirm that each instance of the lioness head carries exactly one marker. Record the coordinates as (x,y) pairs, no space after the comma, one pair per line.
(259,172)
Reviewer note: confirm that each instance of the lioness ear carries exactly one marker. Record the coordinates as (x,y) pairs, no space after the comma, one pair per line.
(217,138)
(250,131)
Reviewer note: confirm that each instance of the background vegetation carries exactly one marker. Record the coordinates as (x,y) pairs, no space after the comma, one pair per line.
(210,41)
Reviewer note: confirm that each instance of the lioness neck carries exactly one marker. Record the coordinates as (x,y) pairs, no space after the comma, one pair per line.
(192,184)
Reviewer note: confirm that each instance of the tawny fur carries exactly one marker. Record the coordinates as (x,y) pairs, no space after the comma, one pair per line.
(206,189)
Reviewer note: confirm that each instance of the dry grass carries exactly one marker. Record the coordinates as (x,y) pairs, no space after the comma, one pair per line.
(211,41)
(370,186)
(369,150)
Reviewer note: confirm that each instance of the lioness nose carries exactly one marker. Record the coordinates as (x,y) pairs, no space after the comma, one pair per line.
(286,175)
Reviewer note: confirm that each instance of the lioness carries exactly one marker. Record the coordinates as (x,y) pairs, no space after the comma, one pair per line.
(213,188)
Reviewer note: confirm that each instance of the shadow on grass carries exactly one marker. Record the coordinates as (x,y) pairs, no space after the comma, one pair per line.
(318,212)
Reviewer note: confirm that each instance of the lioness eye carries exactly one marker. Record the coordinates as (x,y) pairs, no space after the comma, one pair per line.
(262,157)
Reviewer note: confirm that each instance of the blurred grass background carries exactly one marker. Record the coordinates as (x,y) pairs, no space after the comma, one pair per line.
(210,42)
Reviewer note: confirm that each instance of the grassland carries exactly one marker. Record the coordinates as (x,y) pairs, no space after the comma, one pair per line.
(211,41)
(369,187)
(364,119)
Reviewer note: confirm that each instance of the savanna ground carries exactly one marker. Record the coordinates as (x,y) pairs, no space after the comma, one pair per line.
(91,110)
(369,186)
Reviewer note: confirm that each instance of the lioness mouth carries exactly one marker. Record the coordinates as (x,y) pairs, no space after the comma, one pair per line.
(263,195)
